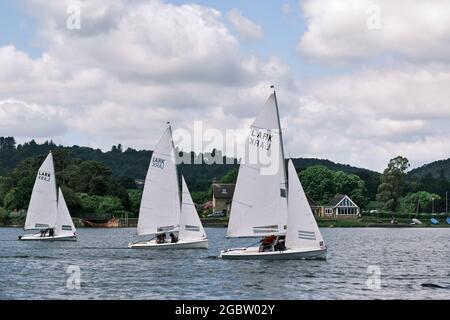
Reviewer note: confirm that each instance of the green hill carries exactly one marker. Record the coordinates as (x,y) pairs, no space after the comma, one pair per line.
(437,169)
(134,163)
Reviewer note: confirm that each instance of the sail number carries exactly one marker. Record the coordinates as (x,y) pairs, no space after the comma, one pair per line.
(45,176)
(158,163)
(260,139)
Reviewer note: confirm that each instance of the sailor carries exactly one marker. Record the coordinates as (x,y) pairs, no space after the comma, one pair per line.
(173,237)
(161,238)
(279,244)
(51,232)
(266,243)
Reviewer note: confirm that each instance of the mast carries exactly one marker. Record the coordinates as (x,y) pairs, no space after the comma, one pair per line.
(169,127)
(446,202)
(281,141)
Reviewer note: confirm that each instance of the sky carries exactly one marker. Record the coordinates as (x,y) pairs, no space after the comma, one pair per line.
(358,81)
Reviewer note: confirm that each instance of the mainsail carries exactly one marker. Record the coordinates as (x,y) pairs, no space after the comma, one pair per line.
(302,229)
(42,210)
(190,225)
(259,205)
(160,204)
(64,223)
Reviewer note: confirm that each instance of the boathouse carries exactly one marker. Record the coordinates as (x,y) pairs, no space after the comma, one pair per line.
(222,197)
(339,207)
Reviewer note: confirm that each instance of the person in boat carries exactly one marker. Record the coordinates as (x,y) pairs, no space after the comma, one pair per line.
(161,238)
(43,231)
(280,243)
(51,232)
(266,243)
(173,238)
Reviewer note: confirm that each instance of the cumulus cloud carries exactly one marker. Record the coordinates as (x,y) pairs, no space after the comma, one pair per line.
(244,26)
(374,115)
(342,31)
(130,68)
(28,120)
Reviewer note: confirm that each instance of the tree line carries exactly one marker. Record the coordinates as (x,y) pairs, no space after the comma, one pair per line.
(97,183)
(399,191)
(89,188)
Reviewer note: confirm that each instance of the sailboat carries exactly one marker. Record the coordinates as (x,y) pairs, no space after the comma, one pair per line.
(269,204)
(48,211)
(415,221)
(164,209)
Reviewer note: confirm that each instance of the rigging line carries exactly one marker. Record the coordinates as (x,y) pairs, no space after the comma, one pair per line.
(273,130)
(160,139)
(253,244)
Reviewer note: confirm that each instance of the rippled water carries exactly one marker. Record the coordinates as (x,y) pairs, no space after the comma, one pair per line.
(414,264)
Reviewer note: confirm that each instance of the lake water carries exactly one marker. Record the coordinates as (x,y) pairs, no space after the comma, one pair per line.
(414,264)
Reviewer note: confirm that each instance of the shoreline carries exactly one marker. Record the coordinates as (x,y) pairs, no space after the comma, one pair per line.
(222,223)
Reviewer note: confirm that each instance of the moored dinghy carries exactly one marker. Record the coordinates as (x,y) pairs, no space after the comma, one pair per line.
(266,205)
(46,212)
(161,211)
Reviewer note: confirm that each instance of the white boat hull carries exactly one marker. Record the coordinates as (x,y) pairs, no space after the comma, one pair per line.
(252,253)
(181,244)
(37,237)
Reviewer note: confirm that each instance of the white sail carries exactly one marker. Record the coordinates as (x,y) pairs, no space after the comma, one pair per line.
(64,223)
(302,229)
(160,204)
(191,227)
(259,205)
(42,210)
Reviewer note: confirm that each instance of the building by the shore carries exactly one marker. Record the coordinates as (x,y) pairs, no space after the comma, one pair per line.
(339,207)
(222,197)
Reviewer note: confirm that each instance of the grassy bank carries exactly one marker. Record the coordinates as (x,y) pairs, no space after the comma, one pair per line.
(18,220)
(364,222)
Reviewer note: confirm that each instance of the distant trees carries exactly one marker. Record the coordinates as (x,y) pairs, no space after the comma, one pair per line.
(5,186)
(84,170)
(321,184)
(318,183)
(418,202)
(109,204)
(7,143)
(230,176)
(79,180)
(135,200)
(393,183)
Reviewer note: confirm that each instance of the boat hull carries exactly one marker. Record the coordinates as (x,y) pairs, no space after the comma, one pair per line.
(181,244)
(252,253)
(37,237)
